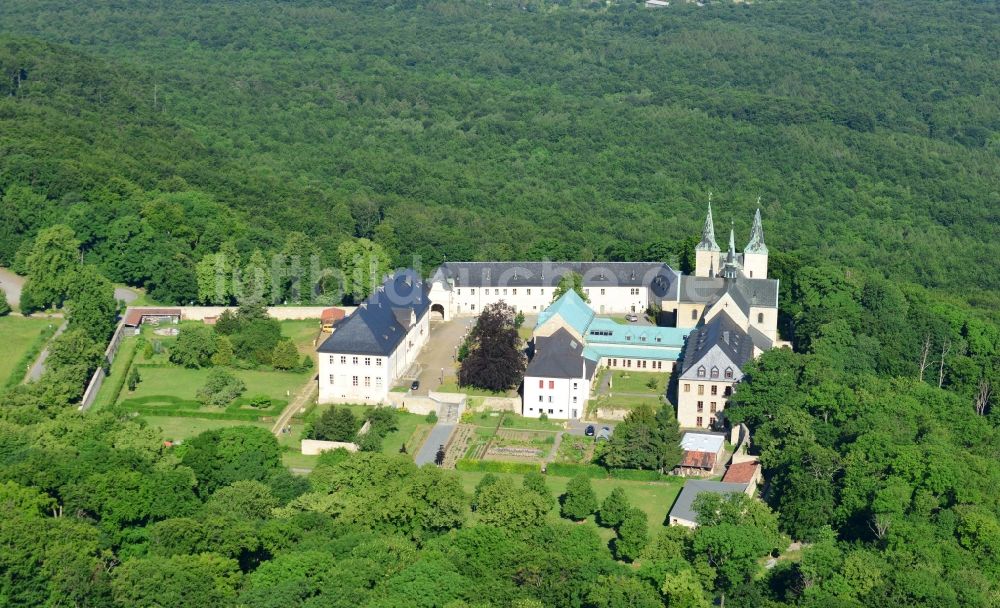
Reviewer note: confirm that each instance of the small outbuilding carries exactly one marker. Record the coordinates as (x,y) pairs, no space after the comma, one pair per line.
(703,452)
(683,513)
(135,317)
(744,472)
(330,317)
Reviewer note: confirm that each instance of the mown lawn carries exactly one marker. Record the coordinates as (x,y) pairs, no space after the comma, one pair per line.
(638,382)
(653,497)
(19,335)
(514,421)
(450,385)
(175,383)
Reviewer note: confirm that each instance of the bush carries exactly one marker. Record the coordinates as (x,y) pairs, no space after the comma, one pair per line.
(221,388)
(133,379)
(543,417)
(194,347)
(496,466)
(431,417)
(260,402)
(307,363)
(4,305)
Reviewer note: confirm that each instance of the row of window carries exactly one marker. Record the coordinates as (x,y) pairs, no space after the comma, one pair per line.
(695,312)
(711,421)
(355,360)
(639,363)
(367,381)
(712,407)
(714,389)
(541,410)
(714,372)
(496,292)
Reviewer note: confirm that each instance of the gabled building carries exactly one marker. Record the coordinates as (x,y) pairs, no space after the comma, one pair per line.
(465,288)
(571,342)
(733,307)
(369,350)
(683,513)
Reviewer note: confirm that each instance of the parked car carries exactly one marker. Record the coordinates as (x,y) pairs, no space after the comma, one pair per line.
(415,385)
(631,318)
(589,432)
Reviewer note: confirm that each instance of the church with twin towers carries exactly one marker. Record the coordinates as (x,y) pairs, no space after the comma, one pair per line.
(702,327)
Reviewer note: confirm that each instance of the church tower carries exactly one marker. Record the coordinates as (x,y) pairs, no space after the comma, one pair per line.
(707,254)
(755,253)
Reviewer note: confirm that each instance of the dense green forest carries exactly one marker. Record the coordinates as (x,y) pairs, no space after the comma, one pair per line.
(510,130)
(158,141)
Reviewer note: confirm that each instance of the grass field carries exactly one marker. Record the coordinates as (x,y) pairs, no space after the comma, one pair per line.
(20,335)
(175,429)
(653,497)
(638,382)
(450,385)
(514,421)
(178,383)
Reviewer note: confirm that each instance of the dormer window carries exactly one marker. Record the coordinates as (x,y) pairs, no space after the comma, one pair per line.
(701,371)
(729,373)
(715,372)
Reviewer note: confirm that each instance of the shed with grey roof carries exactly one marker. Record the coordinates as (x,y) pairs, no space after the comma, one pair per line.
(683,513)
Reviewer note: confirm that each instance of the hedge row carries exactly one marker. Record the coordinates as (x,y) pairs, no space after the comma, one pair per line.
(21,367)
(120,381)
(496,466)
(594,471)
(560,469)
(175,413)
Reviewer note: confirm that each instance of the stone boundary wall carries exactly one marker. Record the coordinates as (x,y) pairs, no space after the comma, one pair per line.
(94,386)
(605,413)
(415,404)
(740,435)
(282,313)
(502,404)
(313,447)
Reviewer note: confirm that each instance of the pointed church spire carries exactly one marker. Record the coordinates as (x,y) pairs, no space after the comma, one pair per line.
(708,232)
(756,244)
(731,256)
(731,270)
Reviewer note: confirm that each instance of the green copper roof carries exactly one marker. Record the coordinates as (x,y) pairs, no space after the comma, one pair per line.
(708,232)
(573,310)
(756,244)
(606,331)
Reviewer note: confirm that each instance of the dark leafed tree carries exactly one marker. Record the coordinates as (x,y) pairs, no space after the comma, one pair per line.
(495,361)
(571,281)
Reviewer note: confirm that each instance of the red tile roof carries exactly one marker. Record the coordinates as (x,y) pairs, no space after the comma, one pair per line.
(699,460)
(332,314)
(134,316)
(742,472)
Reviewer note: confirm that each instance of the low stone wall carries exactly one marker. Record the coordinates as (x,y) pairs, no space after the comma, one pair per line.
(447,397)
(312,447)
(415,404)
(282,313)
(502,404)
(605,413)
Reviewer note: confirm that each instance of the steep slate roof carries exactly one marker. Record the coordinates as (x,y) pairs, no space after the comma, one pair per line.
(756,244)
(659,277)
(572,309)
(719,343)
(560,356)
(380,323)
(745,292)
(682,506)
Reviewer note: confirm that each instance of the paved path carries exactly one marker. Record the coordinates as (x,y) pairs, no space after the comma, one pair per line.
(439,353)
(125,294)
(301,399)
(38,367)
(11,284)
(449,415)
